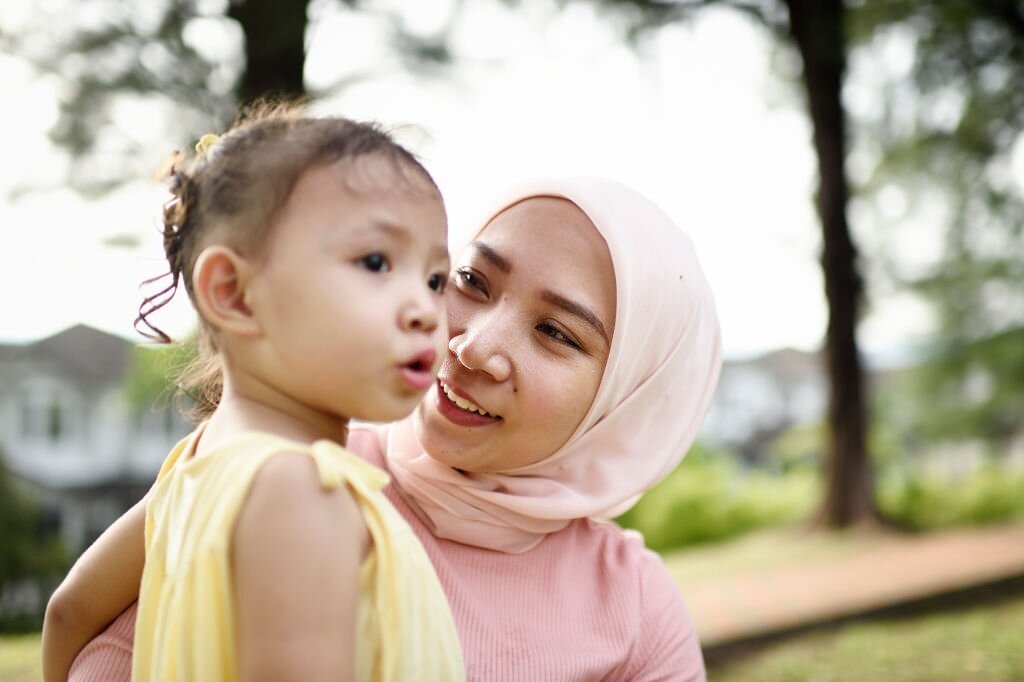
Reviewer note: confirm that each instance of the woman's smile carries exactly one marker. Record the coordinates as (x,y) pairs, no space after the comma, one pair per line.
(457,408)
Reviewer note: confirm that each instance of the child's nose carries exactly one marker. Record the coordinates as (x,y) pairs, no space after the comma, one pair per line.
(421,313)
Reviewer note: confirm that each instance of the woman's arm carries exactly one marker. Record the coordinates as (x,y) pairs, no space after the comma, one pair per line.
(108,657)
(667,648)
(102,583)
(296,554)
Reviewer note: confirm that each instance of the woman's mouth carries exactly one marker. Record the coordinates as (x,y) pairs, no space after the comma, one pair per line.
(460,410)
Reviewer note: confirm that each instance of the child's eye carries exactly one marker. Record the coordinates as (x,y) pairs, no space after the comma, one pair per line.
(465,277)
(375,262)
(557,334)
(437,282)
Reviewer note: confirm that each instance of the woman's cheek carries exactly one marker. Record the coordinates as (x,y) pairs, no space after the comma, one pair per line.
(456,310)
(559,400)
(585,382)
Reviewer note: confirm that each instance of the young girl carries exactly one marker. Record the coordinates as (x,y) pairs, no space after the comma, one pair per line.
(314,251)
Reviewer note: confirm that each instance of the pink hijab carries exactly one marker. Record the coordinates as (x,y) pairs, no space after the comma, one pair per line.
(662,369)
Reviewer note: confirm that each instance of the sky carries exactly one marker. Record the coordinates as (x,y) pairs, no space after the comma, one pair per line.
(695,118)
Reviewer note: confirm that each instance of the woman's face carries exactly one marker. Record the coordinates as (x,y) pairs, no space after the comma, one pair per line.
(531,311)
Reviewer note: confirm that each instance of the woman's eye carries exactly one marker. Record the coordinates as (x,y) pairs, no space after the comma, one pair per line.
(558,335)
(375,262)
(437,282)
(464,277)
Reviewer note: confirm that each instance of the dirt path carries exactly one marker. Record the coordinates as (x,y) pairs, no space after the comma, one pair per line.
(804,579)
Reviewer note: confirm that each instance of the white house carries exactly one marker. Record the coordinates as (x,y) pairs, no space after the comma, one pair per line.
(69,434)
(760,398)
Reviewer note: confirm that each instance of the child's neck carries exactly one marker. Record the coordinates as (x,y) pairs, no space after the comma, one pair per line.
(238,412)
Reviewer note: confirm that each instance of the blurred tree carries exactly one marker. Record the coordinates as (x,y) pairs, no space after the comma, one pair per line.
(948,138)
(816,29)
(150,380)
(968,57)
(275,39)
(111,55)
(202,57)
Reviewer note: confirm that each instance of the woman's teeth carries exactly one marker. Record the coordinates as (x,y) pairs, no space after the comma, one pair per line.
(462,402)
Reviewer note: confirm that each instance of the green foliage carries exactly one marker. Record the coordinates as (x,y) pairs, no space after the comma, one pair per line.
(906,490)
(799,447)
(28,551)
(803,447)
(975,390)
(25,550)
(926,501)
(149,382)
(946,138)
(710,497)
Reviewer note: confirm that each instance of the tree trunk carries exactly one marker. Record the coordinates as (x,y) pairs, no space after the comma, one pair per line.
(816,27)
(275,47)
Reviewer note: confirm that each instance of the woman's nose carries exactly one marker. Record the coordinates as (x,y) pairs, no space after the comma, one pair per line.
(476,350)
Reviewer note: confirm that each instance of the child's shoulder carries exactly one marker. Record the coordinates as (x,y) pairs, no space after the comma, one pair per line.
(258,462)
(292,531)
(287,473)
(294,468)
(288,491)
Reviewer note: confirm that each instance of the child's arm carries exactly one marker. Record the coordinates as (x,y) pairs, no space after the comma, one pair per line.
(102,583)
(296,553)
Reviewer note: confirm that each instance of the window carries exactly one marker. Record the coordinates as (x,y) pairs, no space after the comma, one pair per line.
(27,419)
(54,422)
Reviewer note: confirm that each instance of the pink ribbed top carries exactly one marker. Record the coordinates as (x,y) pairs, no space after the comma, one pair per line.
(588,603)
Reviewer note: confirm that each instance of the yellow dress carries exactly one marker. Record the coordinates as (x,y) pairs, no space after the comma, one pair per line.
(185,626)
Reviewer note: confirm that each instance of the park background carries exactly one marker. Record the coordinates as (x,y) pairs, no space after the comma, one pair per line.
(851,174)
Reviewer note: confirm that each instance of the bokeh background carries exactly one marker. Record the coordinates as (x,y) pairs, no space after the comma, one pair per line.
(851,173)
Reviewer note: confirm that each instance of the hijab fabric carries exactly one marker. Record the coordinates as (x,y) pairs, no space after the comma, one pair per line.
(662,369)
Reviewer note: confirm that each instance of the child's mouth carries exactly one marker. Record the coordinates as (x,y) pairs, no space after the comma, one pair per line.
(418,372)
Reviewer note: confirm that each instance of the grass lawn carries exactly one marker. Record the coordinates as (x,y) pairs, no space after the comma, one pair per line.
(19,658)
(981,644)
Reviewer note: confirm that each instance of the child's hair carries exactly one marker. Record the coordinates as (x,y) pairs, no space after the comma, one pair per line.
(237,184)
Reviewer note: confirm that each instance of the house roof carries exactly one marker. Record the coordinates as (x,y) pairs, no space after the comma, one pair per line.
(787,364)
(84,353)
(9,350)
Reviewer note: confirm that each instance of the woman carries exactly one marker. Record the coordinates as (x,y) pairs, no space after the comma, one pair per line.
(584,351)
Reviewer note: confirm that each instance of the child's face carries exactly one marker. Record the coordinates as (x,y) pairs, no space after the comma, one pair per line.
(348,291)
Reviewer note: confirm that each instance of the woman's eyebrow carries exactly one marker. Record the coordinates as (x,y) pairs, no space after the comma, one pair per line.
(579,310)
(496,259)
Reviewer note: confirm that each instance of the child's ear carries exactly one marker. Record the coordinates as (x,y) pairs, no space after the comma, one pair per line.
(219,282)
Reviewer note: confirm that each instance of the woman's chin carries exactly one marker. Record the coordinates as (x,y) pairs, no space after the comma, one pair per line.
(440,439)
